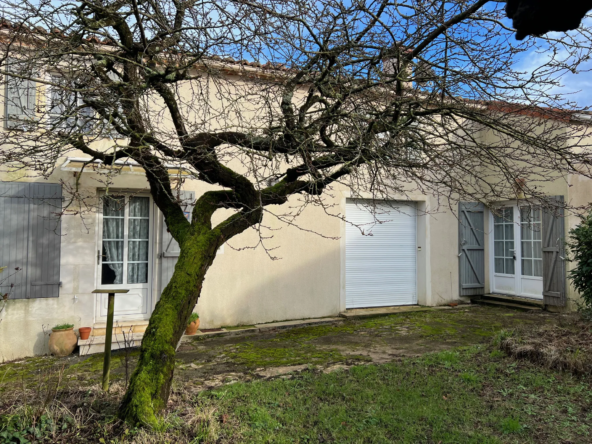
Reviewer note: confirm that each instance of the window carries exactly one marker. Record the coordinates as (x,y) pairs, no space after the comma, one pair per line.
(126,240)
(503,235)
(404,145)
(532,244)
(20,97)
(66,108)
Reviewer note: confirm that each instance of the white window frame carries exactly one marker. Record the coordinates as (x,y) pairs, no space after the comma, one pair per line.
(151,223)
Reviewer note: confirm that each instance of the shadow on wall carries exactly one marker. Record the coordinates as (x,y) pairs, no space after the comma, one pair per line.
(25,328)
(41,346)
(238,292)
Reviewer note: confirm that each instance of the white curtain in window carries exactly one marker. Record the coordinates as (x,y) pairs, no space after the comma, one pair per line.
(138,235)
(113,219)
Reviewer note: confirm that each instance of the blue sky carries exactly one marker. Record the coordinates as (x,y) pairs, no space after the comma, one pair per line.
(577,85)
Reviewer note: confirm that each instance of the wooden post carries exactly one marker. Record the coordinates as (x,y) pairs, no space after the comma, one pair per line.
(108,334)
(108,338)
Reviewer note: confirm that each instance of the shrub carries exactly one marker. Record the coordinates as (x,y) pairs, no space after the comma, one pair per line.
(194,317)
(580,249)
(63,327)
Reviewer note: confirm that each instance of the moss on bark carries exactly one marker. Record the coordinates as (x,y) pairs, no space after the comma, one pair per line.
(150,383)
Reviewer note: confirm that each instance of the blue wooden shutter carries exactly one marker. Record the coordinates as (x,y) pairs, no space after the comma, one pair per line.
(553,227)
(169,247)
(471,238)
(30,238)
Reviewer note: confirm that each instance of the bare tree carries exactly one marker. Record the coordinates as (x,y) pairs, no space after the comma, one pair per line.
(382,97)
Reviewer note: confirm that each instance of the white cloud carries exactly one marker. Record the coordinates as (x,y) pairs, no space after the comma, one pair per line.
(576,87)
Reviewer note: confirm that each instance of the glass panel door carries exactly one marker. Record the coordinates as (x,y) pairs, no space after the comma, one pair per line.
(126,240)
(531,241)
(138,240)
(516,251)
(126,256)
(503,234)
(113,240)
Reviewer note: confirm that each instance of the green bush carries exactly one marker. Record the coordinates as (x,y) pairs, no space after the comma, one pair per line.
(580,248)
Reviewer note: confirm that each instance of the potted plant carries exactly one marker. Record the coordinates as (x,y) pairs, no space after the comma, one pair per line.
(62,340)
(192,324)
(84,332)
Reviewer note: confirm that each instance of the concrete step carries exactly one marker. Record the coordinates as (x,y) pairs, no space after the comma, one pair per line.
(96,344)
(120,327)
(513,305)
(516,299)
(353,313)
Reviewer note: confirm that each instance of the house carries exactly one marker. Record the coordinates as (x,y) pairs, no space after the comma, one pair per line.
(420,253)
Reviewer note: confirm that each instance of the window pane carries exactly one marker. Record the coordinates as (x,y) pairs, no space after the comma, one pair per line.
(536,232)
(537,267)
(499,248)
(137,251)
(498,232)
(112,274)
(499,265)
(138,229)
(537,249)
(536,215)
(527,250)
(112,251)
(498,218)
(509,231)
(526,267)
(509,266)
(113,206)
(113,228)
(509,246)
(137,273)
(526,232)
(139,207)
(509,215)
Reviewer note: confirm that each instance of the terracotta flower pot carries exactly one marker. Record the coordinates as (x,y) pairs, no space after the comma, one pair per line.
(62,342)
(84,332)
(192,328)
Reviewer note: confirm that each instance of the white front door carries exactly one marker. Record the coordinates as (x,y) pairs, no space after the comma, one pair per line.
(125,246)
(517,251)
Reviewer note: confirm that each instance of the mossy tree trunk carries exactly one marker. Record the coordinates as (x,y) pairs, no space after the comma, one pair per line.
(150,383)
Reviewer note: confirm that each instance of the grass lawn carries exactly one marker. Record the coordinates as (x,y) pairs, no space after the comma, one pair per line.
(475,395)
(465,395)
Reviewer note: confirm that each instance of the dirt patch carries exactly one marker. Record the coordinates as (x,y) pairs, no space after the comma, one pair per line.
(564,348)
(350,342)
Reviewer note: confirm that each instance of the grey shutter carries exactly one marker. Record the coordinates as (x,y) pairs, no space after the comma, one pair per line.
(30,238)
(169,247)
(14,238)
(553,227)
(471,238)
(45,206)
(20,100)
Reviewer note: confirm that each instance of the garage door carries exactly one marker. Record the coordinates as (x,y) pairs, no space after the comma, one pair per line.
(380,265)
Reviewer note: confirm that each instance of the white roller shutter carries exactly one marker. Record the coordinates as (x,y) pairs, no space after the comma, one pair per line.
(381,268)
